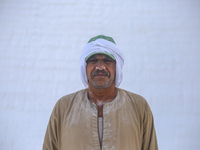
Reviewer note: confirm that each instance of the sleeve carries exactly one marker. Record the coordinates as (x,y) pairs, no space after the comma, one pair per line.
(149,134)
(52,132)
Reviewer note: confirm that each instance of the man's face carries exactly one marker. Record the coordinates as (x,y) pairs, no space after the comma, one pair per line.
(101,71)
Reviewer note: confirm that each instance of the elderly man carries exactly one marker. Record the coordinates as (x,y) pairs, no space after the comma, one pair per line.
(102,116)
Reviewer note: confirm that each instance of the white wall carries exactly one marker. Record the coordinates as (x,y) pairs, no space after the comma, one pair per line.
(41,42)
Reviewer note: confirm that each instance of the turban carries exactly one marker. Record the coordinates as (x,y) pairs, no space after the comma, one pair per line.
(104,45)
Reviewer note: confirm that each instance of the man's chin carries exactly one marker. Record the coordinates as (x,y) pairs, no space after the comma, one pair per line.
(100,85)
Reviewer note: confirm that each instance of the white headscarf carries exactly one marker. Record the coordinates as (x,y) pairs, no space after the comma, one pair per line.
(101,45)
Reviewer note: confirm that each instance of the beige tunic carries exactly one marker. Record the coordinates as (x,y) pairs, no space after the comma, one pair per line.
(127,124)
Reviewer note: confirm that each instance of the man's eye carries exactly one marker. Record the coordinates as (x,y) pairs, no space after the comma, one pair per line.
(92,60)
(108,60)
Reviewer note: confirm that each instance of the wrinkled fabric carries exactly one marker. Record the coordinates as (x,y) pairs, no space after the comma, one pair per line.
(127,124)
(101,45)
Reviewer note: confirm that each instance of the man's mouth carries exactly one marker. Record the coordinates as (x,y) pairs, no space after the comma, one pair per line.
(100,74)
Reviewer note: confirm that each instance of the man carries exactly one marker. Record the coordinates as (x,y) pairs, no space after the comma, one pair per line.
(102,116)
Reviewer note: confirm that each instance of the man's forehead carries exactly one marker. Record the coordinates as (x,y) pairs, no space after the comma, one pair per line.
(100,56)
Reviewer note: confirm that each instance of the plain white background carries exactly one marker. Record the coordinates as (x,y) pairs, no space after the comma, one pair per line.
(41,43)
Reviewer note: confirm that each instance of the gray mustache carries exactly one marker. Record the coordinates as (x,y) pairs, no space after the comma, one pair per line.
(100,71)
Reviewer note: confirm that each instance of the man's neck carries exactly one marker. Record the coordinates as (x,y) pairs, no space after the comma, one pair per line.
(100,96)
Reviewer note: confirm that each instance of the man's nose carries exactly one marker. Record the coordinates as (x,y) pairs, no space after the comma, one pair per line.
(100,66)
